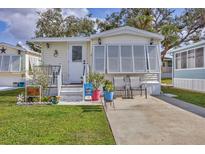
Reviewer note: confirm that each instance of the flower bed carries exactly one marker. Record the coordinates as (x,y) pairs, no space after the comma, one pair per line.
(33,103)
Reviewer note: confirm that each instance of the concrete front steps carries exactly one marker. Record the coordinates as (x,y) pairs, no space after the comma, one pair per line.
(71,93)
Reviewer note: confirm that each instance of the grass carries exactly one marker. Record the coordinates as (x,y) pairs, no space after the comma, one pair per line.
(192,97)
(166,80)
(51,124)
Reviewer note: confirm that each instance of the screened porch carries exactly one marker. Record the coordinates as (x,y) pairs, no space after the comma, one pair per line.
(126,59)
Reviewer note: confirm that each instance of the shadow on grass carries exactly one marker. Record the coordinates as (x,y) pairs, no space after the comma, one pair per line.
(92,108)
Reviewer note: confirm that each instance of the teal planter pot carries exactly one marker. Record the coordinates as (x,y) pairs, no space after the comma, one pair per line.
(108,95)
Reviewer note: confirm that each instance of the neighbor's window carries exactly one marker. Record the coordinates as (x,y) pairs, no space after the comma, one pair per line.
(178,60)
(0,62)
(169,63)
(184,60)
(126,58)
(99,58)
(15,63)
(76,53)
(113,58)
(191,59)
(199,53)
(5,64)
(139,58)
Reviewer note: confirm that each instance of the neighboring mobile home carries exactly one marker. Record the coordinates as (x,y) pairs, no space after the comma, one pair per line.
(167,67)
(117,52)
(15,63)
(189,66)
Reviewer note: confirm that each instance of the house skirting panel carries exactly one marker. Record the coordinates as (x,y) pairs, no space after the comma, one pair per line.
(190,84)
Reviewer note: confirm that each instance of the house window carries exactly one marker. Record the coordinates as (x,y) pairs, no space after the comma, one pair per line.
(191,59)
(126,59)
(15,63)
(199,53)
(113,59)
(76,53)
(169,64)
(99,58)
(178,60)
(5,64)
(184,60)
(153,59)
(139,59)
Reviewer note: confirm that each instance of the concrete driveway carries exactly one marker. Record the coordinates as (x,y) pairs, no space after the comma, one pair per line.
(153,121)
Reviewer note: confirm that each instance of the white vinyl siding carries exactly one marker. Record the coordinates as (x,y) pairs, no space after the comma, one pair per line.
(191,59)
(10,63)
(184,60)
(99,58)
(139,58)
(126,59)
(153,59)
(114,59)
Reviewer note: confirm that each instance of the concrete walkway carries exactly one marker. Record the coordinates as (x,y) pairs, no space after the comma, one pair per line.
(153,121)
(184,105)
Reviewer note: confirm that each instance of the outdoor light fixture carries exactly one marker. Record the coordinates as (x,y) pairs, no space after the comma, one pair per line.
(19,52)
(3,49)
(151,41)
(47,44)
(99,41)
(55,53)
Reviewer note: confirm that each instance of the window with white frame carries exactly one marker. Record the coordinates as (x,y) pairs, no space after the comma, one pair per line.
(191,59)
(139,58)
(113,58)
(199,54)
(177,60)
(15,63)
(126,58)
(10,63)
(153,58)
(99,58)
(5,64)
(184,59)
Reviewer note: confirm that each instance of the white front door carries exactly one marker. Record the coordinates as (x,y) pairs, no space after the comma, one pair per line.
(76,57)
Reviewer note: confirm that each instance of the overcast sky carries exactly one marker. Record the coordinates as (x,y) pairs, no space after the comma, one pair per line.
(18,25)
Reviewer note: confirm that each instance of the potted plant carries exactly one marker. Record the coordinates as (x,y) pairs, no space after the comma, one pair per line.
(97,80)
(108,90)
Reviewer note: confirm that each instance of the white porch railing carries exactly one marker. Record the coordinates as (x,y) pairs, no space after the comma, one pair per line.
(59,81)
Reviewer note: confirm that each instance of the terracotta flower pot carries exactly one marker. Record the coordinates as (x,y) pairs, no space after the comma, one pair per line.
(96,95)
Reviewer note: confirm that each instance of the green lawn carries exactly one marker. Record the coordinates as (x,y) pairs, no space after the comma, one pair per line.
(51,124)
(196,98)
(166,80)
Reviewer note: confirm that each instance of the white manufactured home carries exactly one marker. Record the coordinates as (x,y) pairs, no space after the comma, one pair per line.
(15,63)
(189,67)
(117,52)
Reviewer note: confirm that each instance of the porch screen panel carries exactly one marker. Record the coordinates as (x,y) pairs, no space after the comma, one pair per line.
(99,58)
(184,60)
(199,52)
(126,59)
(113,59)
(15,63)
(153,59)
(5,64)
(139,59)
(178,60)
